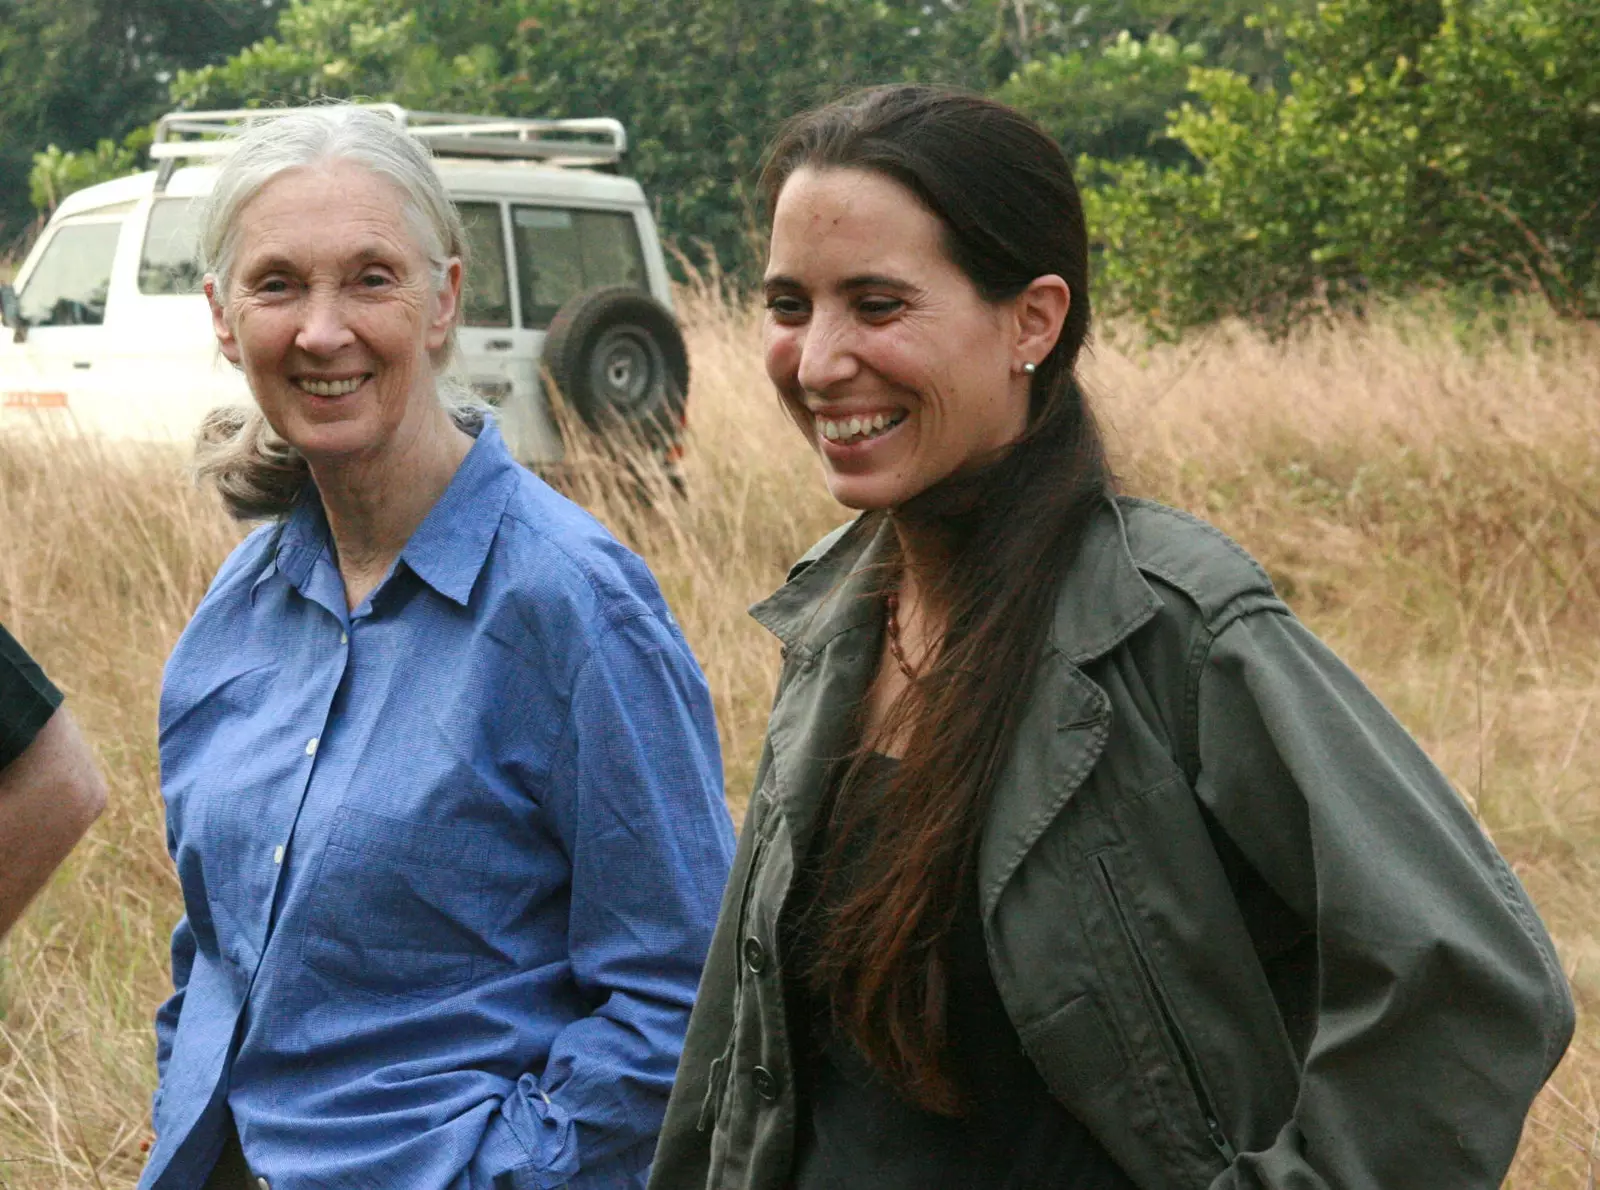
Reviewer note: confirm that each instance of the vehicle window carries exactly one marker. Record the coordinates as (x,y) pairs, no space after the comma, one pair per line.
(487,297)
(170,262)
(561,253)
(69,284)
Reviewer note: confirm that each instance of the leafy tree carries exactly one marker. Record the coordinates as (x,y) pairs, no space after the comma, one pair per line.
(75,72)
(1448,143)
(1112,102)
(700,84)
(1104,79)
(56,174)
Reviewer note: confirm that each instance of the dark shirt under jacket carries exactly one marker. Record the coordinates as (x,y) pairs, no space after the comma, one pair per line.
(855,1132)
(27,699)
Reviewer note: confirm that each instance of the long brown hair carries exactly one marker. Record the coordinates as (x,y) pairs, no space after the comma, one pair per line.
(893,878)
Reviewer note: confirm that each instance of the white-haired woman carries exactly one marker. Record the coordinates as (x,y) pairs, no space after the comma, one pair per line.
(441,775)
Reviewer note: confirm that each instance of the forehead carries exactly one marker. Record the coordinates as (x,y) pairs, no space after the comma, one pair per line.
(325,210)
(832,221)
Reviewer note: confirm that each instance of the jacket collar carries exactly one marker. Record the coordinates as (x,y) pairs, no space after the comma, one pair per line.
(1103,599)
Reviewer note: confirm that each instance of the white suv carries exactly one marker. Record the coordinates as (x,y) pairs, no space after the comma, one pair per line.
(110,332)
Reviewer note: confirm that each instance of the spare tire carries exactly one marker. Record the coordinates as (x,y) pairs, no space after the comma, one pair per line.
(617,353)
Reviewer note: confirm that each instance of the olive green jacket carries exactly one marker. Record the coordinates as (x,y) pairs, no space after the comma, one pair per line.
(1244,928)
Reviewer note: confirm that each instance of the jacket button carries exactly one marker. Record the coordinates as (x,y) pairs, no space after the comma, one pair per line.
(766,1083)
(755,955)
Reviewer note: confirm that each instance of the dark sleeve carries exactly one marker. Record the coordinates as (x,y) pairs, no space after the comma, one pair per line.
(27,699)
(1442,1006)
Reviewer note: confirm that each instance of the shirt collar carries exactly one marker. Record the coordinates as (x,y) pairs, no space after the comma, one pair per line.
(447,551)
(449,548)
(1102,601)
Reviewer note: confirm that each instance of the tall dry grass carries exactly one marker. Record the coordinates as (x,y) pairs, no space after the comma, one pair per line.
(1426,495)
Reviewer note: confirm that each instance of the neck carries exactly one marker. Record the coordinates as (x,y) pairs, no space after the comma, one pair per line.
(922,602)
(375,503)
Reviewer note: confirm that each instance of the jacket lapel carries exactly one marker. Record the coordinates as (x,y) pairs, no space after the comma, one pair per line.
(1103,601)
(829,617)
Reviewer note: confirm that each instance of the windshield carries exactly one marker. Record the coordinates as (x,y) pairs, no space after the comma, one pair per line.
(170,262)
(68,286)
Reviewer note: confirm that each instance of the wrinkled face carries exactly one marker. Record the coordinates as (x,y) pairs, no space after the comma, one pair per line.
(894,367)
(332,311)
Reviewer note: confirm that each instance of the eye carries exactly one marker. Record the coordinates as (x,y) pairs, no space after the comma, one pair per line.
(273,286)
(375,279)
(879,307)
(786,307)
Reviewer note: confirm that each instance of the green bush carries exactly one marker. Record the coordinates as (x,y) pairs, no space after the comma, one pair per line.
(57,173)
(1418,145)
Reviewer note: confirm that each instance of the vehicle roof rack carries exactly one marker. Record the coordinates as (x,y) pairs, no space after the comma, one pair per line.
(594,142)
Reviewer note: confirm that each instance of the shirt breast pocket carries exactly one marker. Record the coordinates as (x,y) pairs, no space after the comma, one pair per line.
(399,908)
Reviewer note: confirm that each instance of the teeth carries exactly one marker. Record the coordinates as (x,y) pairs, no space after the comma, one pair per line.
(331,388)
(862,428)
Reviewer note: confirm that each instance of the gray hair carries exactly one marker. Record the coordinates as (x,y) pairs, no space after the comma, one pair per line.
(257,473)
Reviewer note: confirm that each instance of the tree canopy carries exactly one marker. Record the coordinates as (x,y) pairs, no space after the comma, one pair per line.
(74,73)
(1243,157)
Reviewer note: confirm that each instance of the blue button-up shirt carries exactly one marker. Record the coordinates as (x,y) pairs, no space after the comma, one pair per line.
(450,861)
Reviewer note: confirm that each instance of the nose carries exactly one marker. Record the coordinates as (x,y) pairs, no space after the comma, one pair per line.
(324,331)
(827,352)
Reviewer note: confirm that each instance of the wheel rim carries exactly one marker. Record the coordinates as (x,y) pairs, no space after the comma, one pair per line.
(626,368)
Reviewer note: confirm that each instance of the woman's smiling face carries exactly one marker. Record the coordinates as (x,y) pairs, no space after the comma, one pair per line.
(333,311)
(894,367)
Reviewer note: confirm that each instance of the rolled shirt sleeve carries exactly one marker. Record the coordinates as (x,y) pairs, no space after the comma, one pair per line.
(27,699)
(636,797)
(1441,1005)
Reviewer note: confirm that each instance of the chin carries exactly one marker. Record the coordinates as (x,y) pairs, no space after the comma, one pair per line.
(329,439)
(864,494)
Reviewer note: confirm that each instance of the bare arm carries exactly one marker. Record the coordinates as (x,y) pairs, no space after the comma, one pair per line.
(48,797)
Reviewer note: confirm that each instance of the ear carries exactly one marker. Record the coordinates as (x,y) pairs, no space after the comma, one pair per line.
(1040,311)
(447,301)
(227,342)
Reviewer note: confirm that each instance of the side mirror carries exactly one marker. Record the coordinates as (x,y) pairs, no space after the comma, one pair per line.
(11,314)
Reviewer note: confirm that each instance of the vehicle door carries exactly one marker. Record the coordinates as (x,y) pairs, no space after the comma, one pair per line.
(172,373)
(52,375)
(562,252)
(498,360)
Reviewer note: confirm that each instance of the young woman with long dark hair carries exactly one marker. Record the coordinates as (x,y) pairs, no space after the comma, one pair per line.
(1073,860)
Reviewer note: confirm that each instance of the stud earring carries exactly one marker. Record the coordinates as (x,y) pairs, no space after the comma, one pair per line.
(1030,367)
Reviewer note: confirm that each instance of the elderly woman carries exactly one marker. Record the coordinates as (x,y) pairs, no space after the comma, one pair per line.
(1074,860)
(442,781)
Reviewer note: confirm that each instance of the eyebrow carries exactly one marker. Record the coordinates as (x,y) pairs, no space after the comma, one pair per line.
(859,281)
(364,255)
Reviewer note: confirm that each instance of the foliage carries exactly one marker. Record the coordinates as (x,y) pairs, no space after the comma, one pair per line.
(75,72)
(1112,102)
(56,174)
(700,84)
(1453,143)
(1104,80)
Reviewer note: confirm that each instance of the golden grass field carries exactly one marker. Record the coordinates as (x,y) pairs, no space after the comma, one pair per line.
(1426,495)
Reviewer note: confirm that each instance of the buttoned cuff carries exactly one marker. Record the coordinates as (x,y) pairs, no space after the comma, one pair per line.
(531,1144)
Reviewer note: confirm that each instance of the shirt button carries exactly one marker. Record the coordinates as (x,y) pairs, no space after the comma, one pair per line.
(311,746)
(344,638)
(755,955)
(277,854)
(766,1083)
(263,1184)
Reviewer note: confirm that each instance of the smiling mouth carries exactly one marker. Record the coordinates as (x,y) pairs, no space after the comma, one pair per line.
(848,431)
(331,388)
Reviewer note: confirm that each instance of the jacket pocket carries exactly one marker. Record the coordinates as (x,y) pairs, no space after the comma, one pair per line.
(398,908)
(1162,1007)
